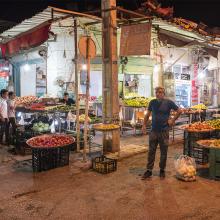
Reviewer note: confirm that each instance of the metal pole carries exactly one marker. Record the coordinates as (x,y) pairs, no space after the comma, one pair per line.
(87,98)
(76,86)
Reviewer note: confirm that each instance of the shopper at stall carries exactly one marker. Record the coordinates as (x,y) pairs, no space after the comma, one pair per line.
(67,100)
(160,109)
(3,115)
(11,113)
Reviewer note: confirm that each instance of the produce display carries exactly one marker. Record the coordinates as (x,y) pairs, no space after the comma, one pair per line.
(61,108)
(37,106)
(131,95)
(103,127)
(215,143)
(137,102)
(25,100)
(95,120)
(190,111)
(92,98)
(41,127)
(185,168)
(199,107)
(53,140)
(198,127)
(99,99)
(82,118)
(215,123)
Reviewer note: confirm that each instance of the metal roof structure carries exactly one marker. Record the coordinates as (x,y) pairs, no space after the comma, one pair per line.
(62,21)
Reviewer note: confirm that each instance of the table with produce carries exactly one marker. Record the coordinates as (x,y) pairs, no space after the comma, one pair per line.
(131,107)
(50,151)
(42,116)
(107,130)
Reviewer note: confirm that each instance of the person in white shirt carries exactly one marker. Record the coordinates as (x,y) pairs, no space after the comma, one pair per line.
(3,115)
(11,112)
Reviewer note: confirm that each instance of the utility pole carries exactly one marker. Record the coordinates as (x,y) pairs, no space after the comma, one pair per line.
(110,71)
(76,86)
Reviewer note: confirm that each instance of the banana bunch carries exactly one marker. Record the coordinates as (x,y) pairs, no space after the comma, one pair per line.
(82,118)
(138,102)
(105,126)
(199,107)
(214,123)
(131,95)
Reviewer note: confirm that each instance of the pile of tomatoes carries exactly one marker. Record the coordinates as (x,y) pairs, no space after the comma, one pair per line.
(53,140)
(198,126)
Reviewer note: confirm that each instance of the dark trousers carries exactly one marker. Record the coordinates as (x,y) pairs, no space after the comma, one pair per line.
(12,123)
(4,129)
(155,138)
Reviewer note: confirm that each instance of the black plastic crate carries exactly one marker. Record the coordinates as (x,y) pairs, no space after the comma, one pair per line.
(49,158)
(192,149)
(104,165)
(201,155)
(216,134)
(214,163)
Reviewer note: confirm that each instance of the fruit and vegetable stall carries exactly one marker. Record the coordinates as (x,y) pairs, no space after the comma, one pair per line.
(202,142)
(42,121)
(37,116)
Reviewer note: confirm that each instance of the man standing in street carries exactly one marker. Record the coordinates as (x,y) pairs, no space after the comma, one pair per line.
(3,115)
(160,109)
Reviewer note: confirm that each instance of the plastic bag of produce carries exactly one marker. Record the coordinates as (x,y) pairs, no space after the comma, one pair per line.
(185,168)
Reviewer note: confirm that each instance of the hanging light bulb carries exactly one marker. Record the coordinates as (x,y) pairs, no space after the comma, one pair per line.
(26,67)
(156,68)
(84,67)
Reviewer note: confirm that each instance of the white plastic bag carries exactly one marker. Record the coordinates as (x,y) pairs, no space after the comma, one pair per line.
(133,122)
(21,122)
(185,168)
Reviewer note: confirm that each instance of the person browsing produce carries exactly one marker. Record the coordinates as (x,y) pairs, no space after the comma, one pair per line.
(66,100)
(160,109)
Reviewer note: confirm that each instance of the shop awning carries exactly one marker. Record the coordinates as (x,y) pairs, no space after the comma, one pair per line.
(28,40)
(179,41)
(35,30)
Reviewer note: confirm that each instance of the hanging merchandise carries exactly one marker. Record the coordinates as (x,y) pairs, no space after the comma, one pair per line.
(21,122)
(52,128)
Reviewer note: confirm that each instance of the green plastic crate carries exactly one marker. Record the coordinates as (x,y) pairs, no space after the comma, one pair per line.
(214,164)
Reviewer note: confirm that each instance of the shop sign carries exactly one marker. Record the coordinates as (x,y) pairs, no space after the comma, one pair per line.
(135,40)
(185,76)
(195,94)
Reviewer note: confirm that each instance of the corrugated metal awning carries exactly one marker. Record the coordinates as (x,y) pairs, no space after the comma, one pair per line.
(46,15)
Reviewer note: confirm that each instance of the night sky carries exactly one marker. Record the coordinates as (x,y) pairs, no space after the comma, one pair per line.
(206,11)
